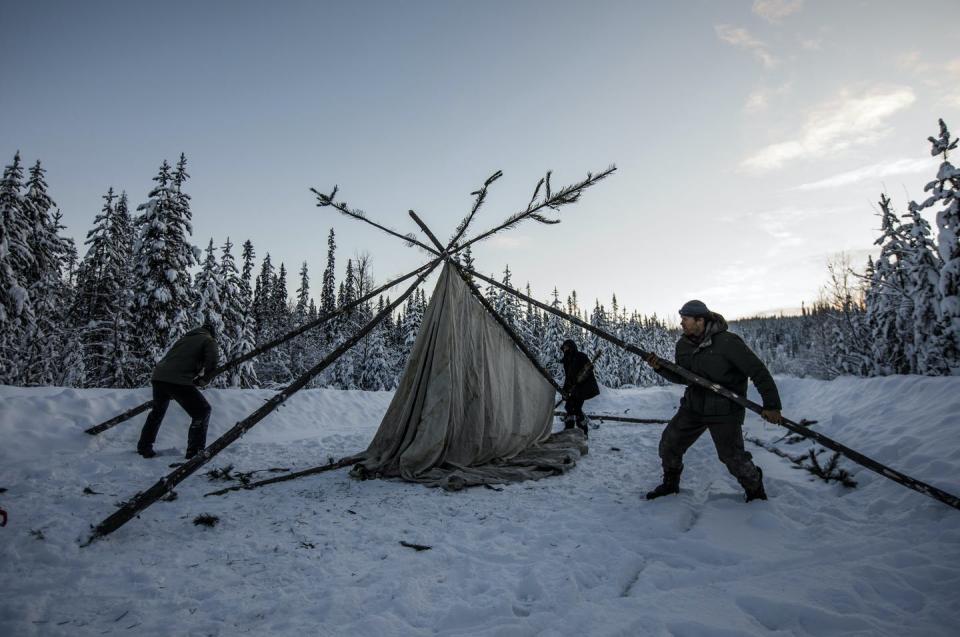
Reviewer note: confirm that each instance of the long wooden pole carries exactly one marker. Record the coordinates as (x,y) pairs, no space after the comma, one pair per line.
(139,409)
(142,500)
(887,472)
(344,462)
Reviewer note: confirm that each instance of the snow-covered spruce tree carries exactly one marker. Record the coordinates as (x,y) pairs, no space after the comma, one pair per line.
(922,273)
(891,312)
(595,345)
(620,369)
(262,301)
(161,273)
(945,192)
(300,354)
(506,304)
(345,370)
(245,375)
(231,313)
(375,370)
(181,231)
(45,344)
(410,327)
(207,305)
(553,336)
(16,313)
(532,326)
(279,324)
(101,307)
(328,291)
(630,365)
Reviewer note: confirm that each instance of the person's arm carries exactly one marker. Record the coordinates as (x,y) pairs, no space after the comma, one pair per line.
(211,358)
(654,361)
(750,364)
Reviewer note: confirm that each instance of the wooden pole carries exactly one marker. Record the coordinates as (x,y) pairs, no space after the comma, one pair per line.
(344,462)
(144,499)
(887,472)
(130,413)
(604,417)
(486,304)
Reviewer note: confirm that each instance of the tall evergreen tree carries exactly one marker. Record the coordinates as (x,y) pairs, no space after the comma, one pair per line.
(16,312)
(162,290)
(262,300)
(945,191)
(553,337)
(46,342)
(207,306)
(922,273)
(245,374)
(300,346)
(103,298)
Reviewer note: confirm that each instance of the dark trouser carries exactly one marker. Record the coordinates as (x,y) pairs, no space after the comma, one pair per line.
(192,401)
(575,416)
(684,430)
(574,407)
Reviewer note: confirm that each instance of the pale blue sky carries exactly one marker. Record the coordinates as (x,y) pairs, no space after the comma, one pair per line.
(752,138)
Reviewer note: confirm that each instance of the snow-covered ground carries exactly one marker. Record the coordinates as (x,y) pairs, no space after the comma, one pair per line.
(579,554)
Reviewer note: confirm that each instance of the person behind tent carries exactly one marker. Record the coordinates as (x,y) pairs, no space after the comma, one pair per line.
(579,385)
(176,376)
(709,350)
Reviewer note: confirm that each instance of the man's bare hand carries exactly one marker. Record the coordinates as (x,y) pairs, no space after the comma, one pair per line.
(653,360)
(772,415)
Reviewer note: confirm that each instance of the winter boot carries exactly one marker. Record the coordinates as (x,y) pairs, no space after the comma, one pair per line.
(569,421)
(146,452)
(197,436)
(755,492)
(671,484)
(582,426)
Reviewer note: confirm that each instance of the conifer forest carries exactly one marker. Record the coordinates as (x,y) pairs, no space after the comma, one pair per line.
(101,314)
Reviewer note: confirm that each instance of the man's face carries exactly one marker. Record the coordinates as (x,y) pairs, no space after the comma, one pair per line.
(692,326)
(564,349)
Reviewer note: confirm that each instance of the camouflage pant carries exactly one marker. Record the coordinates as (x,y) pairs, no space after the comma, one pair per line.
(683,431)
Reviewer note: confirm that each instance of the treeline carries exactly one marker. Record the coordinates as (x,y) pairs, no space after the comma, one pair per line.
(901,315)
(103,320)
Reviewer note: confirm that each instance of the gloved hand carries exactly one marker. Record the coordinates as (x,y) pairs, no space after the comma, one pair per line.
(772,415)
(653,360)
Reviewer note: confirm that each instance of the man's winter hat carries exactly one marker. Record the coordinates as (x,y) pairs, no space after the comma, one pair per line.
(695,309)
(569,343)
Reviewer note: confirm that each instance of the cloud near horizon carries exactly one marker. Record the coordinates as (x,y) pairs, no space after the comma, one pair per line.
(775,10)
(837,125)
(741,38)
(873,171)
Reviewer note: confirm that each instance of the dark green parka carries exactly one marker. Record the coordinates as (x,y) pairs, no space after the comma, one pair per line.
(722,357)
(195,352)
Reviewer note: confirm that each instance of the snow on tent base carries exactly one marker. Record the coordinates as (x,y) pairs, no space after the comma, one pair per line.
(470,408)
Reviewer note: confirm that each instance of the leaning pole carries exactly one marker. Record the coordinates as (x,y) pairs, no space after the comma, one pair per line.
(911,483)
(144,499)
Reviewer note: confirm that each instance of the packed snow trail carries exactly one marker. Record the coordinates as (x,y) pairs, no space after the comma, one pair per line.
(576,554)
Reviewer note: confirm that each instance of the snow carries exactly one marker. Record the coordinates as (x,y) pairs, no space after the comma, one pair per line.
(576,554)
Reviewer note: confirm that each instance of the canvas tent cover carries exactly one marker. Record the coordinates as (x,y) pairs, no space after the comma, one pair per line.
(470,408)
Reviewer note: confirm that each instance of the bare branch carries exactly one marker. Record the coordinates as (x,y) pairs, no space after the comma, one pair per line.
(480,195)
(324,200)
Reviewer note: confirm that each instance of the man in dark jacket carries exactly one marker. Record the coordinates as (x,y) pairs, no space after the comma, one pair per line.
(192,356)
(576,393)
(709,350)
